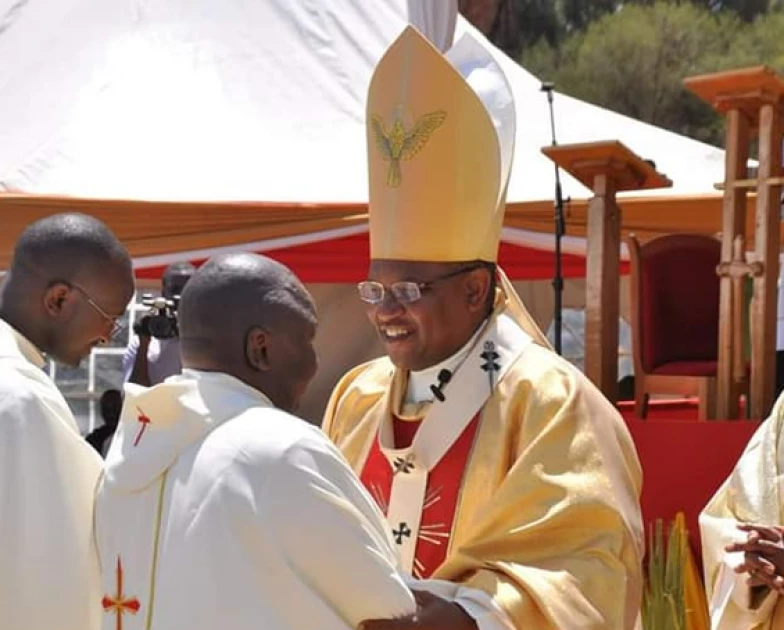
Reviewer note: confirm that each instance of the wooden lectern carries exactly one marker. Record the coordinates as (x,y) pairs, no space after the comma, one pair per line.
(606,168)
(751,99)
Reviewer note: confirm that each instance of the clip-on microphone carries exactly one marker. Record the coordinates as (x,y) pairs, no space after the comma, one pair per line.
(444,376)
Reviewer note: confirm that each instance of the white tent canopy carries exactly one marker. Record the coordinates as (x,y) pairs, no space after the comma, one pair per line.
(247,100)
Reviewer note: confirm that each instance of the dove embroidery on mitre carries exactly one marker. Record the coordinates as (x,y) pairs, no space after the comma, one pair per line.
(400,143)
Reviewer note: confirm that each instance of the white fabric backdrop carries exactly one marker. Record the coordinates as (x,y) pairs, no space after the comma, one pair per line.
(247,99)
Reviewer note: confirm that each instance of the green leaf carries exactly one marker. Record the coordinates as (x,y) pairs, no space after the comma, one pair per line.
(664,604)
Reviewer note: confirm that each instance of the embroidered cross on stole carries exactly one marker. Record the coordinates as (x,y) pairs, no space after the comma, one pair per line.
(441,493)
(402,479)
(119,603)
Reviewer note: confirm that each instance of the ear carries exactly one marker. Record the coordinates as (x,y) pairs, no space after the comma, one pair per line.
(257,343)
(57,298)
(477,285)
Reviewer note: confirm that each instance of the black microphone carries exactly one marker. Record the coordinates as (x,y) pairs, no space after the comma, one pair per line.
(548,87)
(444,376)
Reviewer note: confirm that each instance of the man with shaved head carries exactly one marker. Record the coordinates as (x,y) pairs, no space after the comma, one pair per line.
(218,508)
(69,282)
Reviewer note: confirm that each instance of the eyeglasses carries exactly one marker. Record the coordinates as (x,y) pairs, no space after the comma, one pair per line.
(117,326)
(405,292)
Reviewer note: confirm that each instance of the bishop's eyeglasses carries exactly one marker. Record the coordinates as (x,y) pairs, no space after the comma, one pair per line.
(405,291)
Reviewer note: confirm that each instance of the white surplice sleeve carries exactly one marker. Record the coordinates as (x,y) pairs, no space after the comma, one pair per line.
(48,473)
(334,535)
(730,586)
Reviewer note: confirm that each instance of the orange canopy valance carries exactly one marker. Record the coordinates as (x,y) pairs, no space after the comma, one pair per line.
(646,217)
(155,228)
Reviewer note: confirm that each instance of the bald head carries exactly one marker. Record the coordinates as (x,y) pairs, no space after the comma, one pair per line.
(65,245)
(236,291)
(249,316)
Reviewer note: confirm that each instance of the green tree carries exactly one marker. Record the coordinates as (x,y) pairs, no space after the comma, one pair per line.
(522,23)
(634,61)
(515,25)
(748,10)
(760,43)
(576,15)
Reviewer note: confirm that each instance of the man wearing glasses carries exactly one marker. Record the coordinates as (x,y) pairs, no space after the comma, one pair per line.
(69,282)
(501,470)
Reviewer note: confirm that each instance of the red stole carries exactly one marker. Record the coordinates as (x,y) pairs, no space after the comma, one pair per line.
(441,497)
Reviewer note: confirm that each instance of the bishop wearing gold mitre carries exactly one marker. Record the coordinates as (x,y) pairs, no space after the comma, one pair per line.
(510,485)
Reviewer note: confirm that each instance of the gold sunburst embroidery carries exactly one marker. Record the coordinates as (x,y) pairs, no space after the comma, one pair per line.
(431,498)
(434,534)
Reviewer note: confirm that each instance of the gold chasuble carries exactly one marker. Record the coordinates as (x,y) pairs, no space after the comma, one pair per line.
(521,481)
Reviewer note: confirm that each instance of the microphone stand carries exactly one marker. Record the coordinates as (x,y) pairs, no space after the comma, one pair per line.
(560,228)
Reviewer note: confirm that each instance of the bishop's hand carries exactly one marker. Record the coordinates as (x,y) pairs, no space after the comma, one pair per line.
(433,613)
(763,556)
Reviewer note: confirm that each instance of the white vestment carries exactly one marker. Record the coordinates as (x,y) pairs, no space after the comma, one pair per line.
(218,510)
(751,494)
(49,578)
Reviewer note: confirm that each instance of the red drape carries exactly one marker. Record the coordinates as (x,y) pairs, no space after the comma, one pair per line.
(684,461)
(346,260)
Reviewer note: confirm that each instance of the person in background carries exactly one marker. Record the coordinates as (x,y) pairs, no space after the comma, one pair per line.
(110,405)
(149,360)
(68,284)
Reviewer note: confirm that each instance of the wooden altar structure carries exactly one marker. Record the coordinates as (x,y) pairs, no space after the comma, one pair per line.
(752,100)
(606,168)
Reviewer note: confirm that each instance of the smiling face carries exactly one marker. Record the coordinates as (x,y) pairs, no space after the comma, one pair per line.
(450,302)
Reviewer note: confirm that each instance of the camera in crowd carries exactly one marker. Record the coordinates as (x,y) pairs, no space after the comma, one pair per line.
(161,319)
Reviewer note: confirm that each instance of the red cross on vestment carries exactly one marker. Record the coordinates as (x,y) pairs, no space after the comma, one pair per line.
(118,602)
(144,421)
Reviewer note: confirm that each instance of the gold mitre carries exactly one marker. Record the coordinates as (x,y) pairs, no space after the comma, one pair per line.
(440,142)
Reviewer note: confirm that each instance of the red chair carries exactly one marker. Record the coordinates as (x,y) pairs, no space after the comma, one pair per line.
(675,318)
